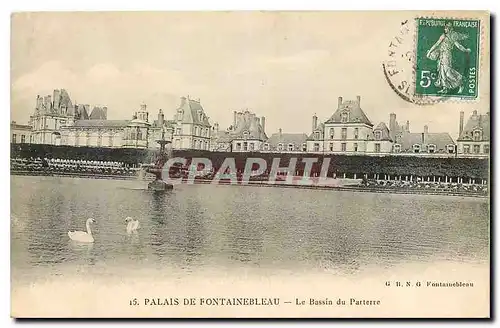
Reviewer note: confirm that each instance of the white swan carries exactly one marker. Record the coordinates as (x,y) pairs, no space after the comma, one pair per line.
(82,236)
(132,224)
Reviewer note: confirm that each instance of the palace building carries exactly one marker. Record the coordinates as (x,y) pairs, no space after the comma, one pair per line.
(191,126)
(20,133)
(474,137)
(349,131)
(57,121)
(246,134)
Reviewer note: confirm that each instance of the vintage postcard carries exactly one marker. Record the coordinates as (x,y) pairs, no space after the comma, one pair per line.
(250,164)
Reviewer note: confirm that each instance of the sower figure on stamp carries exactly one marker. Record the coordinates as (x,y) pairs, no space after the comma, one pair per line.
(442,50)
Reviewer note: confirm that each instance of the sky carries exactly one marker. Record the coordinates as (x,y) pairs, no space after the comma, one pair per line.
(285,66)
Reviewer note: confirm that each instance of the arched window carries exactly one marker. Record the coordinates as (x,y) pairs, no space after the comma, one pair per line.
(431,148)
(280,146)
(316,135)
(416,148)
(378,135)
(397,148)
(290,147)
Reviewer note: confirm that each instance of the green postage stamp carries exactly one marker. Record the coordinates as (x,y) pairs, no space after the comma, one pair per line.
(447,57)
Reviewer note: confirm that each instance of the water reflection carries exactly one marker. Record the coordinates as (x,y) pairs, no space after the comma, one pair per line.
(196,227)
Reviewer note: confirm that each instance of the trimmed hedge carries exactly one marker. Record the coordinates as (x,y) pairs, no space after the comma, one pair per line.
(391,165)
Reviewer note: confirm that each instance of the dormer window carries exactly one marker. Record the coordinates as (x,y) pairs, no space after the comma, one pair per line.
(431,149)
(344,117)
(280,146)
(290,147)
(416,148)
(451,149)
(304,146)
(180,115)
(266,146)
(246,134)
(477,135)
(397,148)
(316,135)
(378,135)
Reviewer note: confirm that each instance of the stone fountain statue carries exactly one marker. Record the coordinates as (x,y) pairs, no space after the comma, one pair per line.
(158,184)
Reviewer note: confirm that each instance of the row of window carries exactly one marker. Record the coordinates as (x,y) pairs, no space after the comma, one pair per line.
(22,139)
(476,149)
(245,146)
(343,134)
(197,131)
(197,144)
(343,147)
(99,141)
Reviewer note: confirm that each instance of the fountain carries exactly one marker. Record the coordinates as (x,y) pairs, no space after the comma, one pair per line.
(158,184)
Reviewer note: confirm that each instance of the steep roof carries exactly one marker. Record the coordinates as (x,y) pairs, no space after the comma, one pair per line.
(81,112)
(440,140)
(248,122)
(287,138)
(98,113)
(354,113)
(222,137)
(384,135)
(100,123)
(193,112)
(481,121)
(320,128)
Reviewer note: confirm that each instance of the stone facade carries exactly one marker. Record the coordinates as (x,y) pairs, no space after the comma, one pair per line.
(191,127)
(474,137)
(56,120)
(20,133)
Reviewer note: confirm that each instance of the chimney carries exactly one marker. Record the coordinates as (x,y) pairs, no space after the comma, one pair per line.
(358,100)
(263,123)
(392,126)
(340,102)
(407,126)
(315,122)
(183,101)
(280,133)
(235,117)
(461,126)
(423,138)
(216,127)
(57,98)
(426,134)
(161,117)
(39,102)
(105,113)
(48,102)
